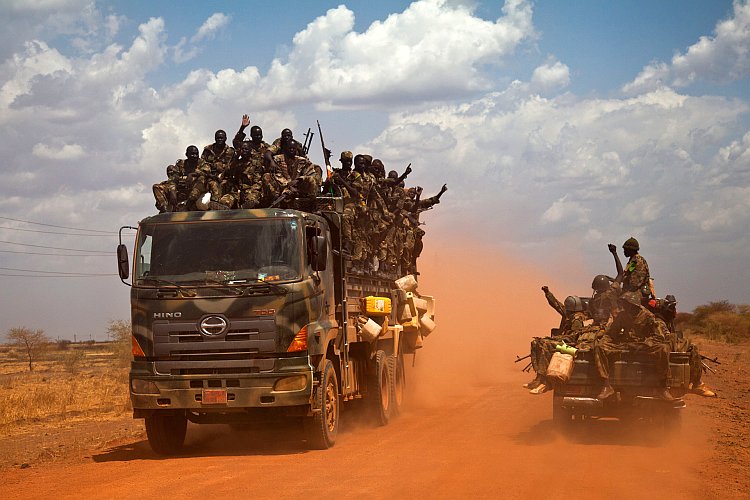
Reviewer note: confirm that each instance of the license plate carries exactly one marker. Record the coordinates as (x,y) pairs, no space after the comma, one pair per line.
(214,397)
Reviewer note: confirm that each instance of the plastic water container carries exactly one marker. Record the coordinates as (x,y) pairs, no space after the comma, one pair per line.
(426,325)
(369,330)
(407,283)
(560,368)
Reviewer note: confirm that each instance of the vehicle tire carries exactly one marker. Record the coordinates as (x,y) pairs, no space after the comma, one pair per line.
(379,389)
(166,433)
(398,387)
(323,427)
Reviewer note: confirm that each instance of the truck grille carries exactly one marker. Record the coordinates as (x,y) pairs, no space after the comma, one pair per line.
(183,350)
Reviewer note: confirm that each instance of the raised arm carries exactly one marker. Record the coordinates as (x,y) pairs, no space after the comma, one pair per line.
(618,264)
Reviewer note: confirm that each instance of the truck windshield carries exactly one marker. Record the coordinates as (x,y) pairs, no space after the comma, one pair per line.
(226,252)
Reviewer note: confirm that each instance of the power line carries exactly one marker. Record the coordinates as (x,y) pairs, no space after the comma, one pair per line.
(59,227)
(109,235)
(59,254)
(57,248)
(54,272)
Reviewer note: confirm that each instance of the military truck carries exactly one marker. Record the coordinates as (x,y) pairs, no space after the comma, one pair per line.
(247,315)
(637,390)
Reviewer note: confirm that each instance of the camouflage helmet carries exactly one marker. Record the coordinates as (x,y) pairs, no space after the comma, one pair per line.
(600,283)
(346,155)
(631,244)
(573,304)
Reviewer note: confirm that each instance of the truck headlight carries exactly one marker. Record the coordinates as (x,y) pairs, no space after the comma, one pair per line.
(139,386)
(295,383)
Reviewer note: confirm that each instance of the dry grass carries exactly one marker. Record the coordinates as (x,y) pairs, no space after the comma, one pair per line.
(80,382)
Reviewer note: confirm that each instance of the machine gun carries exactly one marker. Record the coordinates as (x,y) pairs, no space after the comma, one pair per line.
(308,140)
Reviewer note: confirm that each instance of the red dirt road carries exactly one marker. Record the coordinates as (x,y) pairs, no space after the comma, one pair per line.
(469,431)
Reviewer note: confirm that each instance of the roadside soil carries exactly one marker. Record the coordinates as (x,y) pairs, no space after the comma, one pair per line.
(469,430)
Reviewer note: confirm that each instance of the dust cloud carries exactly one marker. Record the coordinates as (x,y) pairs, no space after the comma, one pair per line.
(488,307)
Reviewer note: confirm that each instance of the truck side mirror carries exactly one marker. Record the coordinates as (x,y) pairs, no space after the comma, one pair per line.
(319,253)
(123,264)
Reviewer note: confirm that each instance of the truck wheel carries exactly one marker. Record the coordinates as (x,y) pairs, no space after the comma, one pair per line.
(379,389)
(321,429)
(166,433)
(399,383)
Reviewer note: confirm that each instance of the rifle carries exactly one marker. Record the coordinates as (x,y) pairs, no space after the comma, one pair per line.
(281,198)
(713,360)
(289,190)
(518,358)
(308,141)
(706,367)
(326,151)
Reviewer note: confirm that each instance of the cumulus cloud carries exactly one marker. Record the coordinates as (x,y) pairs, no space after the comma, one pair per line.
(723,57)
(551,75)
(434,49)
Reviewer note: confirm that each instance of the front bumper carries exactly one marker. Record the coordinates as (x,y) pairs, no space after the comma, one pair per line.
(243,391)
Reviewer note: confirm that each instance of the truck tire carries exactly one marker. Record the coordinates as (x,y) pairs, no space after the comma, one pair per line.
(398,387)
(379,389)
(323,427)
(166,433)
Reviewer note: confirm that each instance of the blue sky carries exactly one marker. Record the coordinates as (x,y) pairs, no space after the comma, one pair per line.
(558,126)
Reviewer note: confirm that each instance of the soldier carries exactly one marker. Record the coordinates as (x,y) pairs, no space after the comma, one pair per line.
(428,203)
(258,146)
(636,279)
(216,158)
(242,185)
(182,183)
(286,135)
(291,175)
(542,349)
(603,304)
(572,312)
(349,196)
(218,152)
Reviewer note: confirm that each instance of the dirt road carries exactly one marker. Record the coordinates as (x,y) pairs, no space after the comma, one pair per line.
(469,431)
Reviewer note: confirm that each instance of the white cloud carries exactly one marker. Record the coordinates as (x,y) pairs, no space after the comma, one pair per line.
(64,152)
(432,50)
(551,75)
(186,50)
(723,57)
(211,26)
(564,210)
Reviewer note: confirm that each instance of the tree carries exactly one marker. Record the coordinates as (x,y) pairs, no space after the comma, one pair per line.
(31,341)
(120,333)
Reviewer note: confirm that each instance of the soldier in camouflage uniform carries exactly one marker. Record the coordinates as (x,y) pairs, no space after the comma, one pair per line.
(362,182)
(182,184)
(395,197)
(542,349)
(242,180)
(216,157)
(258,146)
(286,136)
(349,195)
(291,174)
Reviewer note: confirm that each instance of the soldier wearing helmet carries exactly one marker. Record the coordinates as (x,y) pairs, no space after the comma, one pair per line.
(603,303)
(572,312)
(635,277)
